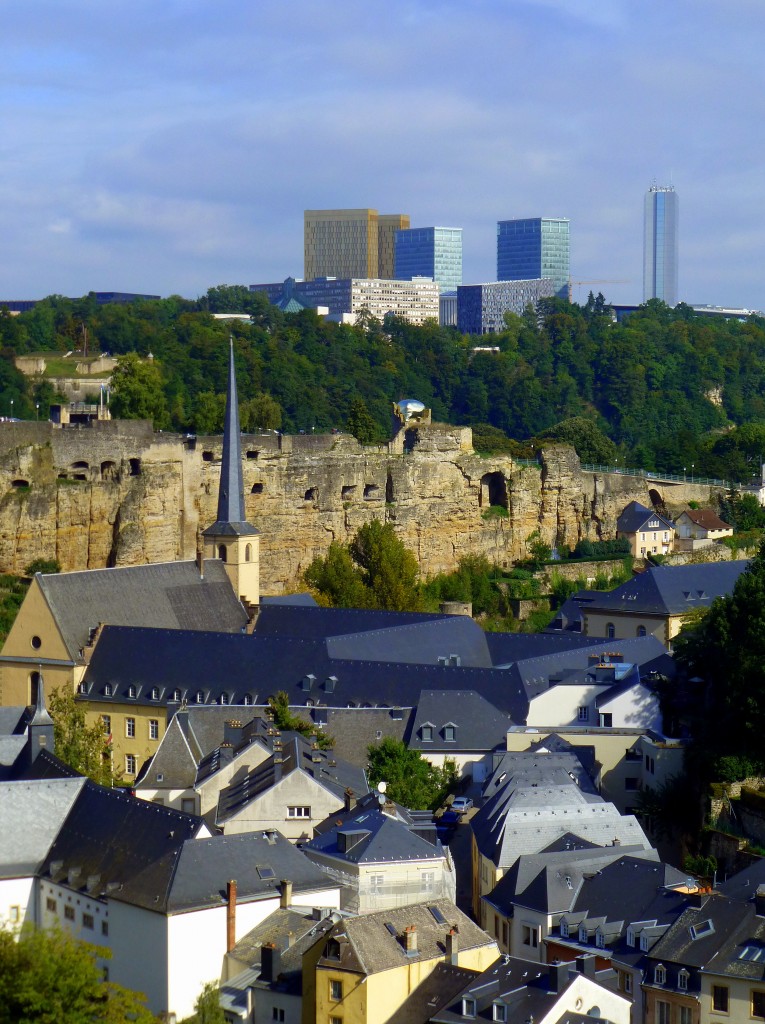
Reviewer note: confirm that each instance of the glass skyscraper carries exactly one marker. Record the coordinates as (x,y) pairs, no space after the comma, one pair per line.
(536,247)
(660,231)
(430,252)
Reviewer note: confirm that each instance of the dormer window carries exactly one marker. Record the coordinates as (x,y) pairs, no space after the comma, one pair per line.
(660,975)
(600,940)
(630,936)
(132,692)
(499,1012)
(82,688)
(176,695)
(468,1007)
(426,733)
(224,698)
(644,942)
(682,980)
(199,697)
(107,690)
(154,695)
(582,933)
(247,700)
(564,928)
(450,732)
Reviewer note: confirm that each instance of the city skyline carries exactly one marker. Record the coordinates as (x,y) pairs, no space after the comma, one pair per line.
(151,153)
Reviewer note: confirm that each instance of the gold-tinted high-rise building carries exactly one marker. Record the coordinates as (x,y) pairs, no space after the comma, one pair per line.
(350,243)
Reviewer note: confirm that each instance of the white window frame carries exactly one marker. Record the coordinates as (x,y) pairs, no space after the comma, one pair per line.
(299,811)
(130,727)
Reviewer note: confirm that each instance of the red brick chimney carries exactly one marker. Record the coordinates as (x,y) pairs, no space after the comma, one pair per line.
(230,915)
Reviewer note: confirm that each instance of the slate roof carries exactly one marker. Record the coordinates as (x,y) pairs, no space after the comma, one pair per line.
(318,623)
(508,648)
(169,595)
(524,986)
(549,882)
(113,844)
(323,766)
(255,667)
(378,837)
(298,600)
(441,987)
(479,726)
(32,812)
(635,516)
(258,861)
(420,643)
(671,590)
(538,801)
(368,945)
(744,885)
(734,946)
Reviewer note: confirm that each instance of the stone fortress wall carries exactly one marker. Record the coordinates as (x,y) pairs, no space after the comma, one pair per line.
(116,493)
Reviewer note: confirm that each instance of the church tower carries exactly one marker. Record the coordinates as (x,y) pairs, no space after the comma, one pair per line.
(231,538)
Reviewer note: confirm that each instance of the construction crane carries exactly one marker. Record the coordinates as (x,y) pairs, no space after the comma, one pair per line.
(571,284)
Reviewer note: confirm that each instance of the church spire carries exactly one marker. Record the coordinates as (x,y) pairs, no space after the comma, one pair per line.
(231,538)
(231,517)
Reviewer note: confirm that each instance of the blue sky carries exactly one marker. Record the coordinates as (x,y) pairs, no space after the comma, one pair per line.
(168,146)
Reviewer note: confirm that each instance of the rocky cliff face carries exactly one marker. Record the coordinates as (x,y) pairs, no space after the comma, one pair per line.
(116,494)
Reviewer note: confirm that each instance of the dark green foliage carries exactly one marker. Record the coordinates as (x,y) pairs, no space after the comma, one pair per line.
(411,780)
(742,511)
(736,768)
(285,720)
(664,386)
(673,807)
(722,655)
(44,565)
(617,548)
(48,977)
(474,581)
(83,747)
(700,866)
(361,424)
(13,590)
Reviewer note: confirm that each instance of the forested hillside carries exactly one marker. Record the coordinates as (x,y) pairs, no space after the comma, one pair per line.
(664,390)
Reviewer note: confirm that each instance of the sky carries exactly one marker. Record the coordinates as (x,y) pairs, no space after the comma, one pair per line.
(166,146)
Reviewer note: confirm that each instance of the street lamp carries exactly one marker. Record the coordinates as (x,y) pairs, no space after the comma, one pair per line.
(37,410)
(692,465)
(684,474)
(11,408)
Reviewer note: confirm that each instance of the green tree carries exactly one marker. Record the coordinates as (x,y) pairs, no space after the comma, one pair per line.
(83,747)
(336,580)
(722,656)
(361,423)
(43,565)
(209,412)
(585,437)
(137,391)
(389,570)
(410,779)
(284,719)
(207,1008)
(260,413)
(48,977)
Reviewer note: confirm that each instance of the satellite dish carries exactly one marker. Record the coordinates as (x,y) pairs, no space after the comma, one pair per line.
(381,787)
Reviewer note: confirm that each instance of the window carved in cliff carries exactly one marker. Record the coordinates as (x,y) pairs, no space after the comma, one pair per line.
(348,492)
(135,467)
(257,488)
(312,494)
(371,492)
(493,490)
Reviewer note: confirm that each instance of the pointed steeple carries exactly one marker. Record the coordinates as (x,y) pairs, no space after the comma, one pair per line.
(231,515)
(231,538)
(40,727)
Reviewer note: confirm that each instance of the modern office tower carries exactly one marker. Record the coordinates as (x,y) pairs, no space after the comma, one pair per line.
(536,247)
(350,243)
(388,226)
(415,301)
(430,252)
(481,308)
(660,232)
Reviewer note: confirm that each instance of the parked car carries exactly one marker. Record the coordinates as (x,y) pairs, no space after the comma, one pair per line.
(461,804)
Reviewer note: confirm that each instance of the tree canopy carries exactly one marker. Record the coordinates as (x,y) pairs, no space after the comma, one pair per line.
(410,779)
(83,747)
(48,977)
(669,389)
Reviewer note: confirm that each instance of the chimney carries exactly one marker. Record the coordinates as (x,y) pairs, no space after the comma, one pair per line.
(232,732)
(200,557)
(225,753)
(230,915)
(270,962)
(759,901)
(558,975)
(286,891)
(410,939)
(587,965)
(452,947)
(348,800)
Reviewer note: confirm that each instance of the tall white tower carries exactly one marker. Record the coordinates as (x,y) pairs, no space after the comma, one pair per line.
(660,233)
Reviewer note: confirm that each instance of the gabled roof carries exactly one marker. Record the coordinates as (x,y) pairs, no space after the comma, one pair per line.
(671,590)
(635,516)
(374,942)
(417,643)
(319,623)
(32,812)
(170,595)
(297,755)
(713,937)
(550,882)
(706,518)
